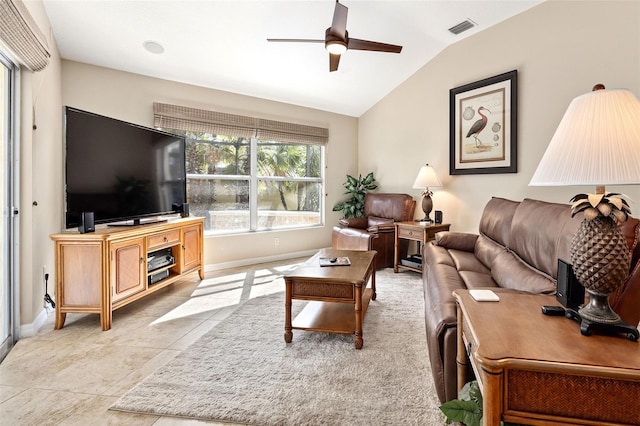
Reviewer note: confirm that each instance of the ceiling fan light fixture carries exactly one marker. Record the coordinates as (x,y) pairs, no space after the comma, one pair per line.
(336,47)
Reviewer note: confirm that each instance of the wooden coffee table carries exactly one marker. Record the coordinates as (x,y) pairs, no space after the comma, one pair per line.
(338,295)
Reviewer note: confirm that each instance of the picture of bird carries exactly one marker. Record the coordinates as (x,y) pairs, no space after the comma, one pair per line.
(478,126)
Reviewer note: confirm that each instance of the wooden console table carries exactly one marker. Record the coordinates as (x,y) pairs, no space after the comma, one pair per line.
(104,270)
(538,369)
(415,231)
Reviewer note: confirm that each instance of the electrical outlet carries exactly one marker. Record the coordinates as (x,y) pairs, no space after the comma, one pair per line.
(276,242)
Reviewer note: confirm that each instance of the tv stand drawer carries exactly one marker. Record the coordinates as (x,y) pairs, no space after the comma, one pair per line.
(163,239)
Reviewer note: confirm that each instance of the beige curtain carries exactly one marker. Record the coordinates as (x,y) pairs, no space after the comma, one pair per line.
(198,120)
(20,34)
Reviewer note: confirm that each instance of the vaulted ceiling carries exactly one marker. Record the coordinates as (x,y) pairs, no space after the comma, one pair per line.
(222,44)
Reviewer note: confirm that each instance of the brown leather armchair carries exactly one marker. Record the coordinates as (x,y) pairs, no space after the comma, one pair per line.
(376,230)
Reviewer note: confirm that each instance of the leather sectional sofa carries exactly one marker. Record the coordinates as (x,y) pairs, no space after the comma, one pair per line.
(518,247)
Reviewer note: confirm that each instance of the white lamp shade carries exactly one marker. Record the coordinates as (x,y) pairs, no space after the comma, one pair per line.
(427,178)
(597,143)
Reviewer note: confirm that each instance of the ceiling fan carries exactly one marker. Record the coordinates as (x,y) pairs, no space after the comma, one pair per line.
(337,40)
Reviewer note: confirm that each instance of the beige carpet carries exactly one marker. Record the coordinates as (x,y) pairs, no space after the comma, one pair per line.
(242,371)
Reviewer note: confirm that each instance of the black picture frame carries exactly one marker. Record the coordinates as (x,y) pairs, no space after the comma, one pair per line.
(483,126)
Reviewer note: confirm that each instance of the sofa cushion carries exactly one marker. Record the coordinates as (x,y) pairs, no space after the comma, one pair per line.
(511,272)
(475,279)
(398,207)
(437,255)
(379,221)
(486,250)
(495,222)
(455,240)
(541,232)
(631,231)
(465,261)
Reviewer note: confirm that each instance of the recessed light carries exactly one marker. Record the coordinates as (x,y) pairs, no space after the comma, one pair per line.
(153,47)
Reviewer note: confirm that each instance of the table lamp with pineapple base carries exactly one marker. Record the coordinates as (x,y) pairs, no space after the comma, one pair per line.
(426,178)
(601,260)
(604,152)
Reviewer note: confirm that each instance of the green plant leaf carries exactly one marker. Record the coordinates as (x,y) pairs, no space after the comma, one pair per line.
(368,179)
(356,188)
(466,412)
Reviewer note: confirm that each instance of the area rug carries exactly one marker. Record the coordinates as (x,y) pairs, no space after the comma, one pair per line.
(243,372)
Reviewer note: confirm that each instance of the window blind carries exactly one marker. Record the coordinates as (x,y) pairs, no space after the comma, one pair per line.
(20,33)
(198,120)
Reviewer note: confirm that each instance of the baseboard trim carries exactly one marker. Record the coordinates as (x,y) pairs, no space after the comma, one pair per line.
(253,261)
(29,330)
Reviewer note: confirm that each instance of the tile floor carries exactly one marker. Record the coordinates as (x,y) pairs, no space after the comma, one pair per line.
(73,375)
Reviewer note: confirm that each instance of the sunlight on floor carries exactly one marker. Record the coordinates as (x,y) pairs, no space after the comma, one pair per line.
(229,290)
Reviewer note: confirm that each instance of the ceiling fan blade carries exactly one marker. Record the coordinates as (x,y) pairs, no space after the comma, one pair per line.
(357,44)
(339,23)
(334,60)
(294,40)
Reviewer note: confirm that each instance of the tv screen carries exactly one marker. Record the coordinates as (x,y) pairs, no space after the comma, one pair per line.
(121,171)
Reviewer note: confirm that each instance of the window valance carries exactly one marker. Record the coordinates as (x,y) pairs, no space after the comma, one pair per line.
(198,120)
(20,33)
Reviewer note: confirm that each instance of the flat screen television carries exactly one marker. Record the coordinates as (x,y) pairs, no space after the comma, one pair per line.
(120,171)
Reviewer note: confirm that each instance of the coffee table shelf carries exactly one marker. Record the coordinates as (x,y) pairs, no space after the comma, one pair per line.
(331,317)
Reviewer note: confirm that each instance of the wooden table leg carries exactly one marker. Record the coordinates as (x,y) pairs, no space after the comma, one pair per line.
(373,280)
(359,342)
(60,318)
(395,251)
(461,355)
(492,399)
(288,334)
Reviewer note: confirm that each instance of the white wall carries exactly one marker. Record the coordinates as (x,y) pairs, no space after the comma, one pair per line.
(40,186)
(130,97)
(560,49)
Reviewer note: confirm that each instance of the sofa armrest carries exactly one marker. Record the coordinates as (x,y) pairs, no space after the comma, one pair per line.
(456,240)
(377,225)
(379,229)
(351,239)
(354,222)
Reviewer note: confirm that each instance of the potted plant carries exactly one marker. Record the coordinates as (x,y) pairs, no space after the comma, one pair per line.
(357,188)
(467,409)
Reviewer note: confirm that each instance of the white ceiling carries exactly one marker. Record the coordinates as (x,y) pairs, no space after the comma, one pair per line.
(221,44)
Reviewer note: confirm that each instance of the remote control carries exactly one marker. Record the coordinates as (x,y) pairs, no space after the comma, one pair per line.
(555,311)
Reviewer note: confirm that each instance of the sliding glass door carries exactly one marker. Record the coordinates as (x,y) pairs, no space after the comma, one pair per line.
(8,284)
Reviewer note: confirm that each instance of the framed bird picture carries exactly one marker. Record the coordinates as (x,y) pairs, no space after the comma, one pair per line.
(482,127)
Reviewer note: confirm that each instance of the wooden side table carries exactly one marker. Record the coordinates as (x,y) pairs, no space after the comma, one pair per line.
(415,231)
(539,369)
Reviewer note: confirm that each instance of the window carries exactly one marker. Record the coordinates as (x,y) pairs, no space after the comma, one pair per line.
(262,175)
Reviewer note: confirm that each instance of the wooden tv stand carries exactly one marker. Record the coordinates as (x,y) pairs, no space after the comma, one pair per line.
(104,270)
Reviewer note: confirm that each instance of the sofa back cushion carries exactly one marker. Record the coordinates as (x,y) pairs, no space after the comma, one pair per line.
(495,222)
(509,271)
(398,207)
(541,233)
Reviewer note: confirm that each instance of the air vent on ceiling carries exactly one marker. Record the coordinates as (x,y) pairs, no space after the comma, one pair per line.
(462,26)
